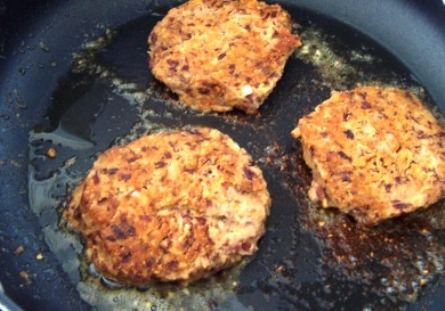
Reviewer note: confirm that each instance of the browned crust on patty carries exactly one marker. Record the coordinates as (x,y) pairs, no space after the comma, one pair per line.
(219,55)
(375,153)
(171,206)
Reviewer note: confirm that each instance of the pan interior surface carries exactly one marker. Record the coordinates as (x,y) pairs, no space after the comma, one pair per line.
(102,94)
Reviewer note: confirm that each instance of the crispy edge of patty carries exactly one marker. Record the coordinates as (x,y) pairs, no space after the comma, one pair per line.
(375,153)
(155,238)
(233,63)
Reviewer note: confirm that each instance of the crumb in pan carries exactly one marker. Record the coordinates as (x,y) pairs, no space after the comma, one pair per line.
(219,55)
(177,206)
(375,153)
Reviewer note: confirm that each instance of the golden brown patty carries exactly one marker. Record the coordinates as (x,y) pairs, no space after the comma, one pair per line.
(171,206)
(374,153)
(217,55)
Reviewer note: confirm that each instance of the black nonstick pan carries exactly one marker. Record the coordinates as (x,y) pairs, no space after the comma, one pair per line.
(74,81)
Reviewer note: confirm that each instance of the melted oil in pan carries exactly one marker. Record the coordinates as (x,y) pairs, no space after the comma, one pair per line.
(309,258)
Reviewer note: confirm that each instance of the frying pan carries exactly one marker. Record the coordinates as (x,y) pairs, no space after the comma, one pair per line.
(49,99)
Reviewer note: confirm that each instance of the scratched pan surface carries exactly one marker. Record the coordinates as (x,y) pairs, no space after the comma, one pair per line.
(74,78)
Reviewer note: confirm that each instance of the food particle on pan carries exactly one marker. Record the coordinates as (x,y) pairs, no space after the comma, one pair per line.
(174,206)
(375,153)
(24,275)
(14,163)
(19,250)
(39,256)
(70,162)
(44,46)
(51,153)
(219,55)
(423,282)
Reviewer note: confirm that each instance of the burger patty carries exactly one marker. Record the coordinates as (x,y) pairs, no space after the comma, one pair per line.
(219,55)
(171,206)
(375,153)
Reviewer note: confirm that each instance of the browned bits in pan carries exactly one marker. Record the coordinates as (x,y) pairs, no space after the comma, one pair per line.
(51,153)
